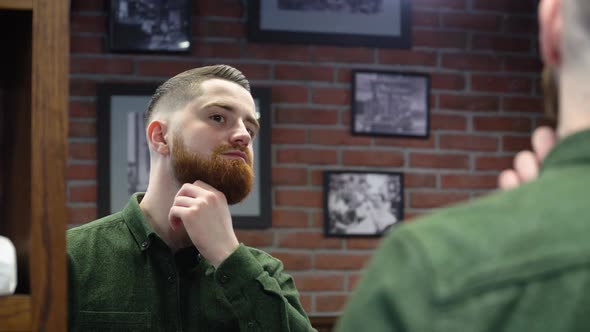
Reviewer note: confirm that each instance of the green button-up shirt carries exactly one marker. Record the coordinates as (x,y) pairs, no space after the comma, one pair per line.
(123,277)
(512,261)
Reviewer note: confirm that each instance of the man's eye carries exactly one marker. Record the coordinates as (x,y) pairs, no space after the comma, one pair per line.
(252,133)
(217,118)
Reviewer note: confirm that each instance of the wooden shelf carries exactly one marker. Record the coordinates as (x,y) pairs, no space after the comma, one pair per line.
(16,4)
(15,313)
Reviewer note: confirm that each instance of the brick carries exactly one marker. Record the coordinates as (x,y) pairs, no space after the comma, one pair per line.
(469,103)
(501,43)
(343,54)
(277,52)
(506,6)
(407,142)
(341,261)
(255,238)
(301,198)
(472,62)
(430,200)
(447,161)
(520,25)
(339,137)
(372,158)
(304,73)
(82,109)
(330,303)
(362,243)
(448,122)
(289,176)
(319,282)
(226,29)
(87,5)
(293,261)
(469,181)
(313,116)
(289,218)
(546,121)
(81,172)
(419,180)
(215,50)
(86,44)
(425,18)
(471,21)
(406,57)
(224,8)
(101,65)
(523,64)
(468,142)
(445,81)
(516,143)
(288,135)
(317,177)
(308,240)
(502,124)
(81,129)
(306,302)
(289,94)
(331,96)
(353,280)
(82,87)
(502,84)
(81,215)
(255,71)
(82,151)
(344,75)
(522,104)
(440,4)
(82,193)
(439,39)
(493,163)
(88,23)
(307,156)
(164,68)
(199,29)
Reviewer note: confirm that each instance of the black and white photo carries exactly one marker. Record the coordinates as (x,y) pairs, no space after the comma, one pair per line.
(370,23)
(123,155)
(362,203)
(150,26)
(390,104)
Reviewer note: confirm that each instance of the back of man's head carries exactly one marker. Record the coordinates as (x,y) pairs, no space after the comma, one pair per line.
(183,88)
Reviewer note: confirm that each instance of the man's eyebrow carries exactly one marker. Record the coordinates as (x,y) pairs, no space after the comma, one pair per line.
(229,108)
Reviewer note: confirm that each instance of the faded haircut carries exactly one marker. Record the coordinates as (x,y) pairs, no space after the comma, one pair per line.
(183,88)
(576,33)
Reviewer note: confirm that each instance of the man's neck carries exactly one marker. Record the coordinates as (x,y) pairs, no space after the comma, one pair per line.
(155,207)
(574,106)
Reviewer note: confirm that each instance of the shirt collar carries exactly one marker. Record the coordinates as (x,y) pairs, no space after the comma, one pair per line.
(572,150)
(142,232)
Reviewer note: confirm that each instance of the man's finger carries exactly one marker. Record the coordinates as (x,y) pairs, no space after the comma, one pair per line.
(508,179)
(543,141)
(526,166)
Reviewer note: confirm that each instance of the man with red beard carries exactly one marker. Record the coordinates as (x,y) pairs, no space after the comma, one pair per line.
(170,260)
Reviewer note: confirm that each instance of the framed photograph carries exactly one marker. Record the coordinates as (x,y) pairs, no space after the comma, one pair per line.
(123,156)
(370,23)
(362,203)
(390,104)
(158,26)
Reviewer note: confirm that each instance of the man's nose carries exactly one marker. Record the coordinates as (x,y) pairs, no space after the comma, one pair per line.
(240,135)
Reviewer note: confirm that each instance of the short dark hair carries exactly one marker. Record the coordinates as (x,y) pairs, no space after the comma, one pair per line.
(181,89)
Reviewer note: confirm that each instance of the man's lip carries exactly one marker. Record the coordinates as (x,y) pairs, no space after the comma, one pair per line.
(236,154)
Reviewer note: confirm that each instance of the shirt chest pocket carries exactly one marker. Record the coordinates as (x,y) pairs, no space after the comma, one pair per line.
(113,321)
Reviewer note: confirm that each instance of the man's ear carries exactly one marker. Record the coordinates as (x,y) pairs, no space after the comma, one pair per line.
(156,137)
(550,24)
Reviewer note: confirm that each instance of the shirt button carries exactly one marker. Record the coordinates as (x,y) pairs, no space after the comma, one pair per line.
(145,244)
(250,324)
(170,278)
(224,279)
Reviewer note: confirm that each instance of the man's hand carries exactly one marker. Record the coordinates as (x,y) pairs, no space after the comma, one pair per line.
(204,212)
(528,163)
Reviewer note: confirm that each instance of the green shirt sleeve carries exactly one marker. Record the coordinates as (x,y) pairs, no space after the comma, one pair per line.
(395,292)
(262,296)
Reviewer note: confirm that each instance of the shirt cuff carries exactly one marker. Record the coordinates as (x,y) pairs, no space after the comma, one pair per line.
(237,270)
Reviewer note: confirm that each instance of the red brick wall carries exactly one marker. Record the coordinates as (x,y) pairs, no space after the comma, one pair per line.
(481,55)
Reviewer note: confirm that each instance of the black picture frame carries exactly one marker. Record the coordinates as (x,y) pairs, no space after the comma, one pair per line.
(120,106)
(390,103)
(379,23)
(362,203)
(150,26)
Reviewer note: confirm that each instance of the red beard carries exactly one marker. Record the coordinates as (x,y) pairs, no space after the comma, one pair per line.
(233,177)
